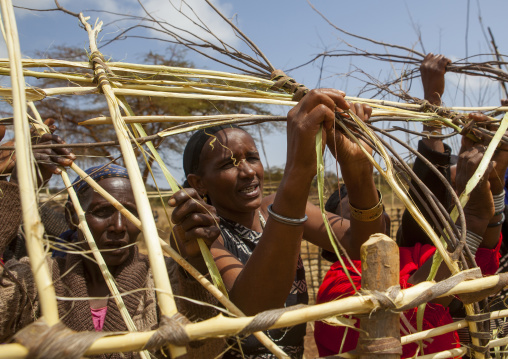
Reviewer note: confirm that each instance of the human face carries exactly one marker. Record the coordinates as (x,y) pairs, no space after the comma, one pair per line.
(231,173)
(110,229)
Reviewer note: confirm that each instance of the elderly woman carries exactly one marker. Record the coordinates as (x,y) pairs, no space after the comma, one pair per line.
(77,275)
(256,240)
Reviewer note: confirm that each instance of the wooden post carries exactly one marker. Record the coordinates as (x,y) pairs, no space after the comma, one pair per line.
(380,330)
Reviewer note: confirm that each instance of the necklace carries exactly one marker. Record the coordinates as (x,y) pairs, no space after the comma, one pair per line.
(262,219)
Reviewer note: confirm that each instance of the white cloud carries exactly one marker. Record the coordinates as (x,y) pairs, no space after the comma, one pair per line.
(164,10)
(198,11)
(480,91)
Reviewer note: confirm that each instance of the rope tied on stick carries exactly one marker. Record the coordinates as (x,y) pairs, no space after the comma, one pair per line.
(57,341)
(283,81)
(171,331)
(468,298)
(383,300)
(483,324)
(266,319)
(386,345)
(387,300)
(457,119)
(99,63)
(442,287)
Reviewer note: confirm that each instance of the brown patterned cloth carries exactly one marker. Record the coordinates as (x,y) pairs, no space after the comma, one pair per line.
(10,213)
(19,304)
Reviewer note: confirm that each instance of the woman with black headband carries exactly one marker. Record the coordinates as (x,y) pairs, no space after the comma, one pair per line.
(256,241)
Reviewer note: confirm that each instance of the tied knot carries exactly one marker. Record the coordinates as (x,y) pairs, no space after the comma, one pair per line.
(171,331)
(57,341)
(283,81)
(266,319)
(426,106)
(383,300)
(457,119)
(468,298)
(468,128)
(100,68)
(385,345)
(441,288)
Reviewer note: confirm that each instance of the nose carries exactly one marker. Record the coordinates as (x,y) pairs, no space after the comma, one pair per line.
(118,223)
(246,169)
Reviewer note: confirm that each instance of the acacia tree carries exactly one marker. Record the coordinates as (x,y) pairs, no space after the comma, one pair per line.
(71,110)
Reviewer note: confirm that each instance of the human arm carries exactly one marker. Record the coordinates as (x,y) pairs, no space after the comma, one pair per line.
(433,69)
(356,170)
(254,287)
(496,181)
(478,210)
(48,160)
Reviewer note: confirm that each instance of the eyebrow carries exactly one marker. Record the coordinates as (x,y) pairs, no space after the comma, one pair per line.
(108,204)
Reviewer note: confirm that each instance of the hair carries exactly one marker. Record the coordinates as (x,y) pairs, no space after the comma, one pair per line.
(195,145)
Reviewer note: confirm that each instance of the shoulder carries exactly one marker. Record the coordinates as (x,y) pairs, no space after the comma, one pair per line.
(267,200)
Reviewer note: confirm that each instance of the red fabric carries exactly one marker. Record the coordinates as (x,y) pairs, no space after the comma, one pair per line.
(488,259)
(336,285)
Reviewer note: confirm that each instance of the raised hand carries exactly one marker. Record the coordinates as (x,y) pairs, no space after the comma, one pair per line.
(48,160)
(304,121)
(433,69)
(193,219)
(347,152)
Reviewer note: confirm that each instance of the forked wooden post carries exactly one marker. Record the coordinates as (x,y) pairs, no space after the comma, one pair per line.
(380,330)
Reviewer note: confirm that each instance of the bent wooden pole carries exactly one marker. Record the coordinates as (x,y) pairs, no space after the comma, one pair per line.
(33,228)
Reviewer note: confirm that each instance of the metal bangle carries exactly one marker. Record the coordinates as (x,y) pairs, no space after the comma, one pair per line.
(490,225)
(473,240)
(368,215)
(286,220)
(499,202)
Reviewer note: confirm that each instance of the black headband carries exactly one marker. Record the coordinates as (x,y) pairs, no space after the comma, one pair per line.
(195,146)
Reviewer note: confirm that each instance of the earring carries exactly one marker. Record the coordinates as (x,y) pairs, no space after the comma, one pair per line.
(204,198)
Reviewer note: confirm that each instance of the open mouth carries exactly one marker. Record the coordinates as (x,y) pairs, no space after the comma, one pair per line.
(251,191)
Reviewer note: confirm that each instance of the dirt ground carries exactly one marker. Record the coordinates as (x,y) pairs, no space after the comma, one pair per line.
(311,351)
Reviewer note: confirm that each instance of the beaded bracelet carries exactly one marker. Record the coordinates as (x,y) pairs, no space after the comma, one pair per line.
(368,215)
(286,220)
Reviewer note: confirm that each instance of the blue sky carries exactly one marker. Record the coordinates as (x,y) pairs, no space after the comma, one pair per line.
(290,33)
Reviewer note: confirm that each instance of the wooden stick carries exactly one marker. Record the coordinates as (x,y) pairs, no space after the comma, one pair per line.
(452,353)
(32,225)
(103,120)
(159,271)
(223,326)
(380,271)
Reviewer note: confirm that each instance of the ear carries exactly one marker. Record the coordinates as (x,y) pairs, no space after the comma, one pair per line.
(197,183)
(71,217)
